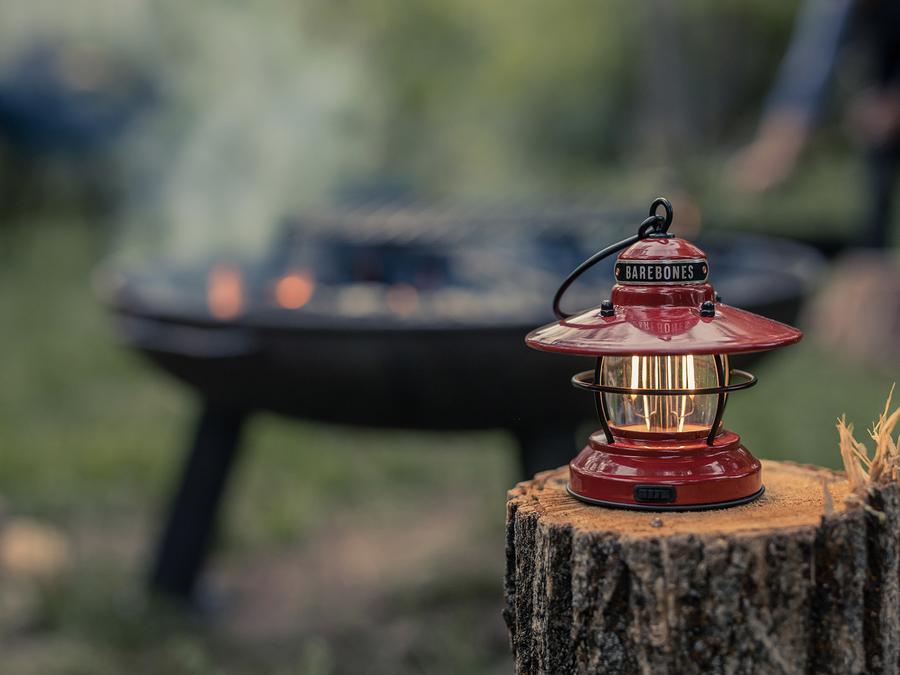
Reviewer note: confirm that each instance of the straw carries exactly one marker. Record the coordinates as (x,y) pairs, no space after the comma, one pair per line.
(865,469)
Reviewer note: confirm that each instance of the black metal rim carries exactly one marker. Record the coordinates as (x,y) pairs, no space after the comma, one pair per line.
(585,380)
(649,507)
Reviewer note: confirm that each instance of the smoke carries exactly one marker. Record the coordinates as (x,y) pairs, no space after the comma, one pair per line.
(260,119)
(255,114)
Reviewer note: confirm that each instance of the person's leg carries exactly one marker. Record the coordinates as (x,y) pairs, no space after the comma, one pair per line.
(881,174)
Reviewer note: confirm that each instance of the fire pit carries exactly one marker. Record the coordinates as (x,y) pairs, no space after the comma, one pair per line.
(389,317)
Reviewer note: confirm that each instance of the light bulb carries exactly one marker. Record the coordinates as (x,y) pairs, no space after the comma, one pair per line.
(661,413)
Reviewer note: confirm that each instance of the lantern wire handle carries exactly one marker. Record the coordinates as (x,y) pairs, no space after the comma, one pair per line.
(654,225)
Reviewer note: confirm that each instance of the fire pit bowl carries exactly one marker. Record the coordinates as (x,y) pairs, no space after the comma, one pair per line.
(396,317)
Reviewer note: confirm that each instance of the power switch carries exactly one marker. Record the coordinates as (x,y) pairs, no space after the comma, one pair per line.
(654,494)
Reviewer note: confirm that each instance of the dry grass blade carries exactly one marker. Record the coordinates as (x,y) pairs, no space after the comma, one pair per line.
(864,469)
(853,454)
(885,463)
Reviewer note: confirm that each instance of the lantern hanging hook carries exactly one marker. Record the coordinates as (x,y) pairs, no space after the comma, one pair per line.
(654,225)
(670,213)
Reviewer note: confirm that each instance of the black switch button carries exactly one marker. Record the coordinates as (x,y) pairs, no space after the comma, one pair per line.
(654,494)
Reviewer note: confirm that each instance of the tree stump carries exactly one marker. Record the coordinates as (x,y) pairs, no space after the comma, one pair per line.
(800,581)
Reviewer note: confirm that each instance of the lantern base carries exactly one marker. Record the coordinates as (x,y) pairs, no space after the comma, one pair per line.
(672,475)
(675,507)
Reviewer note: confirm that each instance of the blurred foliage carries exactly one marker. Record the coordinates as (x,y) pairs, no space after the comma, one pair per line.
(268,106)
(487,96)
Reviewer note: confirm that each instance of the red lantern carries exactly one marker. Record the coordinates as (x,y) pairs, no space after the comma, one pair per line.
(661,378)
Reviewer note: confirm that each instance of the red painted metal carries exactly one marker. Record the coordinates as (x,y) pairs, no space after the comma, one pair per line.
(662,248)
(668,329)
(662,319)
(700,474)
(651,317)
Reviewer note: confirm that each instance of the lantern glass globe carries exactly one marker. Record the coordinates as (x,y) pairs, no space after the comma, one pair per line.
(638,414)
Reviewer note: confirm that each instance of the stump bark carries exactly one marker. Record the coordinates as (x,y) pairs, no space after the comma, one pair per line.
(800,581)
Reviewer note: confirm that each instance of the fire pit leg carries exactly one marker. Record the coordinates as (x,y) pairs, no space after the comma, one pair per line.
(543,449)
(182,548)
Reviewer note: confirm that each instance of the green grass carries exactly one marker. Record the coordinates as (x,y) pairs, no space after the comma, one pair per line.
(802,391)
(91,437)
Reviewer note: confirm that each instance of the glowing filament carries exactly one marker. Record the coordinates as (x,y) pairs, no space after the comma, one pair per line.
(689,362)
(689,383)
(634,374)
(647,414)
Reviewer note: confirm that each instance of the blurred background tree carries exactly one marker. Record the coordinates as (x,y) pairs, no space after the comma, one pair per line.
(267,106)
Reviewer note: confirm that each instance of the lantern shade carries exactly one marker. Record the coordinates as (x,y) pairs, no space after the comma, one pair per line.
(642,330)
(662,303)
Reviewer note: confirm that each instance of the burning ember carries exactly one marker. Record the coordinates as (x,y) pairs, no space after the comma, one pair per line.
(295,289)
(225,291)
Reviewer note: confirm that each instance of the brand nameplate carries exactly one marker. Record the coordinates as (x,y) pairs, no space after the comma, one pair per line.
(661,272)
